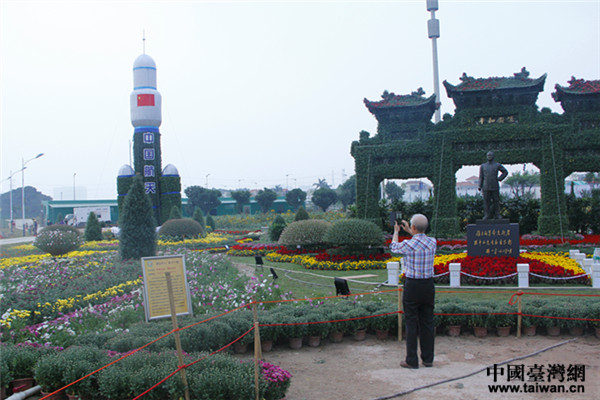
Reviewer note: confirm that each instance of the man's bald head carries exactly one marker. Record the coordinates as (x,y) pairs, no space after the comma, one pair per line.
(419,223)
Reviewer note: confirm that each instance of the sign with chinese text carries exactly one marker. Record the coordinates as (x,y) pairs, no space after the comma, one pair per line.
(493,239)
(156,293)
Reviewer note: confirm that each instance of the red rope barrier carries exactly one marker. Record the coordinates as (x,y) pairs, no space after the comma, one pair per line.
(510,302)
(567,318)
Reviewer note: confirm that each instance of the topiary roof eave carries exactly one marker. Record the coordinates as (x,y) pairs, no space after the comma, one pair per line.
(401,102)
(519,81)
(577,87)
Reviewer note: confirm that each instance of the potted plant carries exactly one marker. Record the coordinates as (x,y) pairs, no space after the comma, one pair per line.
(452,319)
(338,327)
(268,334)
(49,373)
(594,313)
(359,324)
(384,323)
(21,361)
(5,374)
(576,327)
(479,319)
(295,319)
(531,307)
(278,381)
(80,361)
(316,329)
(503,320)
(552,325)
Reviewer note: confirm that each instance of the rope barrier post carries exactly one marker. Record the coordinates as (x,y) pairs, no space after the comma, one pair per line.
(595,273)
(257,348)
(520,315)
(454,269)
(176,333)
(400,313)
(523,275)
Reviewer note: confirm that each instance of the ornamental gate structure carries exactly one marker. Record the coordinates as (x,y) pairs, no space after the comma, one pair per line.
(498,114)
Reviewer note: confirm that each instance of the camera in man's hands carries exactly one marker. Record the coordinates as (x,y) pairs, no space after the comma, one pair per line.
(395,216)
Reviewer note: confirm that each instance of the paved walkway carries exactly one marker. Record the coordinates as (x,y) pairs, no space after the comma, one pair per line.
(17,240)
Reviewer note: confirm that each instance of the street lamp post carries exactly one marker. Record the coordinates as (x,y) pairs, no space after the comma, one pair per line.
(11,196)
(75,173)
(207,175)
(23,163)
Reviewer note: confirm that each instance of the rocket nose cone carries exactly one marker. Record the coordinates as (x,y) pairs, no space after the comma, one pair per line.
(144,60)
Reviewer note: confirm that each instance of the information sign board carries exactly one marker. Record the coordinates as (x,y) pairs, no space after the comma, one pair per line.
(493,239)
(156,293)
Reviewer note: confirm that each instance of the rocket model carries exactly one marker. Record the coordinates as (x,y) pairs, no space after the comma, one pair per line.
(163,187)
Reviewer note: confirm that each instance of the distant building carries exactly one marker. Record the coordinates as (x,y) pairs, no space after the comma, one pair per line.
(416,190)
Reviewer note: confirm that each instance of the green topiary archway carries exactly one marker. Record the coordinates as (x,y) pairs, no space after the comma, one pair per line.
(496,114)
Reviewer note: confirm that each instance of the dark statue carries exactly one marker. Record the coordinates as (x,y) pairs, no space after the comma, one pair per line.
(489,186)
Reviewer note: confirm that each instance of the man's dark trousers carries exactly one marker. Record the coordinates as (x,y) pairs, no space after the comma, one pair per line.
(418,301)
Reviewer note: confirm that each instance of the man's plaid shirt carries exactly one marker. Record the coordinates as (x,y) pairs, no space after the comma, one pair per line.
(419,253)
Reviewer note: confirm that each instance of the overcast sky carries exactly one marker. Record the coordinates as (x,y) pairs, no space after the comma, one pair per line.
(255,93)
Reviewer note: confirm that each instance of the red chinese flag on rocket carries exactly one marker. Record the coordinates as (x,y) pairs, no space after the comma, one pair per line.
(145,100)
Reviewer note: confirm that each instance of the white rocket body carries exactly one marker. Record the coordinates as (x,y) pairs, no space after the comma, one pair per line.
(145,100)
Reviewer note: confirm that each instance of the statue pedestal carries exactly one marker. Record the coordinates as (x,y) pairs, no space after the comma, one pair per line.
(493,238)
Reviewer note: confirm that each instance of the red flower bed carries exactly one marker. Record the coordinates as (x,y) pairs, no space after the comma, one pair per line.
(290,252)
(340,258)
(255,246)
(232,232)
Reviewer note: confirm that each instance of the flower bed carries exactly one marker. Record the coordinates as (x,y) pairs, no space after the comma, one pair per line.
(552,265)
(310,262)
(45,301)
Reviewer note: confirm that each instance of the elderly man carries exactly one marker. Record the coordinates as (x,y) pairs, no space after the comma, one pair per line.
(419,291)
(489,187)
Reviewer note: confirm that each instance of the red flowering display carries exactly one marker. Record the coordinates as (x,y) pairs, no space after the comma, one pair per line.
(584,86)
(339,258)
(492,267)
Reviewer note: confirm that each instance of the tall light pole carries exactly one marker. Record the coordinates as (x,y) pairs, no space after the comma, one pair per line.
(74,173)
(207,175)
(23,163)
(433,30)
(11,196)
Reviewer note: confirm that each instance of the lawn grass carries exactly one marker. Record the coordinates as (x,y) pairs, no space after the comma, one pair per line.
(305,283)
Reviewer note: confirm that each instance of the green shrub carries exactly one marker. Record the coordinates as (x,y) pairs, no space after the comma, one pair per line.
(80,361)
(20,360)
(354,234)
(175,212)
(314,329)
(138,372)
(223,377)
(301,214)
(199,218)
(93,229)
(58,239)
(310,232)
(480,316)
(210,221)
(138,226)
(49,372)
(5,373)
(276,228)
(180,229)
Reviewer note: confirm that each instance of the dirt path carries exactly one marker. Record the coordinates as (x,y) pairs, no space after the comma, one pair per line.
(370,369)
